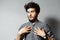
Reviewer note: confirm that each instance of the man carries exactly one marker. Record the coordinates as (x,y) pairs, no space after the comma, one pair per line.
(34,29)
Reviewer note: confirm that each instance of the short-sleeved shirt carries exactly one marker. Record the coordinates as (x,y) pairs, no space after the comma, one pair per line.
(31,35)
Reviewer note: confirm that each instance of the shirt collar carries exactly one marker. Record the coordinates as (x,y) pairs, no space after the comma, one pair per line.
(34,22)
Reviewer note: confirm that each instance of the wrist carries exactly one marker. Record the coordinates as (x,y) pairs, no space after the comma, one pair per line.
(44,37)
(19,34)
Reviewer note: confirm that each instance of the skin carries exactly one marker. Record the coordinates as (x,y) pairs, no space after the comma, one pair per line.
(39,32)
(32,15)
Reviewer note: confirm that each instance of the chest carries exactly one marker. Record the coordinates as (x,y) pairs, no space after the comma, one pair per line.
(31,35)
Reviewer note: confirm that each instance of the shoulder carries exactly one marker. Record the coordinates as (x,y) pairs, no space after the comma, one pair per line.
(25,24)
(42,24)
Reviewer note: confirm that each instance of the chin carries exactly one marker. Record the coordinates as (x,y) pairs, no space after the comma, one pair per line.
(31,20)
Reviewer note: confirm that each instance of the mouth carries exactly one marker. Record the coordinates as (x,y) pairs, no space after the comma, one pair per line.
(30,17)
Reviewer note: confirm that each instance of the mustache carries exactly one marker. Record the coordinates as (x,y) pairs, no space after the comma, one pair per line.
(33,20)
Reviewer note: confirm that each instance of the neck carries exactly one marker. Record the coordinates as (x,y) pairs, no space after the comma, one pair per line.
(33,21)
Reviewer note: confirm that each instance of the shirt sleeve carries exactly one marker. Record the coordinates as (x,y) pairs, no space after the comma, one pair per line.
(20,27)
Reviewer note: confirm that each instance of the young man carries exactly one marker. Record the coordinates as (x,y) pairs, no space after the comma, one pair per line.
(34,29)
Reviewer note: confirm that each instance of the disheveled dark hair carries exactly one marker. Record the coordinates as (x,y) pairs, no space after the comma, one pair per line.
(32,5)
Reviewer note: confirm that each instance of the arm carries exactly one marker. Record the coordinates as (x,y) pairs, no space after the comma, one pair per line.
(47,37)
(49,34)
(21,32)
(45,33)
(18,37)
(50,38)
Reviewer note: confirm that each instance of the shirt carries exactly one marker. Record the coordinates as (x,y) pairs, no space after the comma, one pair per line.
(31,35)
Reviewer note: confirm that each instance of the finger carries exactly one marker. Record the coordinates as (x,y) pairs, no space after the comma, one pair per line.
(43,30)
(26,26)
(27,31)
(35,33)
(29,27)
(35,29)
(38,28)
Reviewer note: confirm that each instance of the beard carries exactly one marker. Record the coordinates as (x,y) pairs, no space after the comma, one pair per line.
(33,20)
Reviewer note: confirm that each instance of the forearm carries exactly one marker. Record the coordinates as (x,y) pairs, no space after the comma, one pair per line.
(46,37)
(18,37)
(50,38)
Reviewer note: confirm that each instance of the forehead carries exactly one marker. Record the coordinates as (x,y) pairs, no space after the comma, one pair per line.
(31,9)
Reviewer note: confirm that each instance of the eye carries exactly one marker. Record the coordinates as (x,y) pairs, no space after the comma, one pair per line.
(32,11)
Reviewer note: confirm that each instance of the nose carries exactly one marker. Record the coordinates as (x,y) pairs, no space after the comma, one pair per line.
(30,14)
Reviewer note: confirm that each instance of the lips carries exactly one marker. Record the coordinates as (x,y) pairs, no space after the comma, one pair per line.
(30,17)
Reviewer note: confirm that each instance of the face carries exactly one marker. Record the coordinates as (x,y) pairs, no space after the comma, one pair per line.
(31,13)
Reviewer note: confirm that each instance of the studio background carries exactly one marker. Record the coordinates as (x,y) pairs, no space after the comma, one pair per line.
(13,15)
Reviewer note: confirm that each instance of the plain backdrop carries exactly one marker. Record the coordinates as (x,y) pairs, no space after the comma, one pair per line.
(13,15)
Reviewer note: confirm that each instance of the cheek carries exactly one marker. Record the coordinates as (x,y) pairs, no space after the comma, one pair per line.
(34,14)
(31,14)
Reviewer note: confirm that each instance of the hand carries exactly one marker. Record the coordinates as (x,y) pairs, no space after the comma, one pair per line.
(39,32)
(25,29)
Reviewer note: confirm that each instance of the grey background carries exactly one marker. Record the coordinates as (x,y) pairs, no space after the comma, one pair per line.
(13,15)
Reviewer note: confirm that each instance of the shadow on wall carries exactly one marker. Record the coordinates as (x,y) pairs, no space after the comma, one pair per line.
(53,23)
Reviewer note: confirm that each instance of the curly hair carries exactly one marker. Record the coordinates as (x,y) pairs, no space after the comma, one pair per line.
(32,5)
